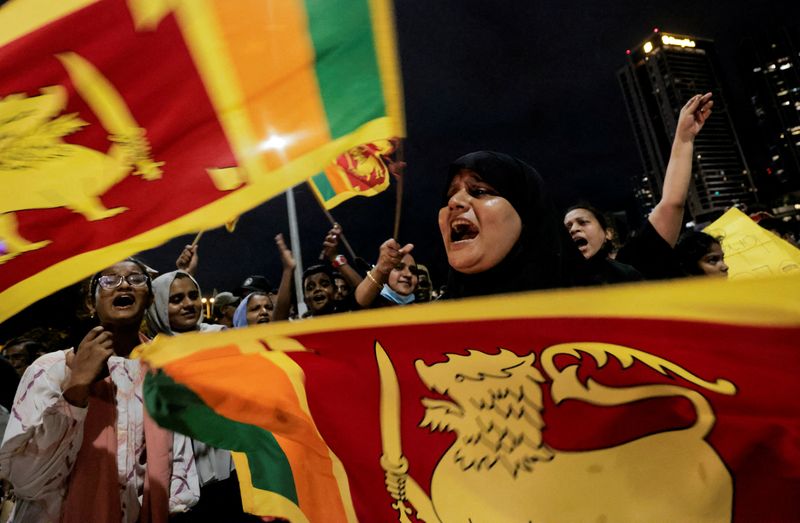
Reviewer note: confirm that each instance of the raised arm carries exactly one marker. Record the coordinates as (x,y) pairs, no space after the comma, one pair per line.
(667,216)
(330,251)
(390,255)
(188,259)
(283,302)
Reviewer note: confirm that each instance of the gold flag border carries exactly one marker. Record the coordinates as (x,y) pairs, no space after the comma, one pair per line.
(768,302)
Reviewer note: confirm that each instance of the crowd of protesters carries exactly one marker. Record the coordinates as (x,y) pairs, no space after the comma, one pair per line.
(78,444)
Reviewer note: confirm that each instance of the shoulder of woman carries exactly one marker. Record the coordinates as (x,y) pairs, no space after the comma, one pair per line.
(210,327)
(51,362)
(625,272)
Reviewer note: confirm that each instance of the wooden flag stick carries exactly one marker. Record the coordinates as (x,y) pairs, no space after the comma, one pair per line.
(399,165)
(197,238)
(330,218)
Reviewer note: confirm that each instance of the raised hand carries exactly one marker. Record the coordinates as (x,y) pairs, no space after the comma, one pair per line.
(188,259)
(330,245)
(390,255)
(86,364)
(287,258)
(693,116)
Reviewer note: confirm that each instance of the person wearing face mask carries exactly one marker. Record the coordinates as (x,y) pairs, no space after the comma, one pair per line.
(75,450)
(650,249)
(392,281)
(500,230)
(701,254)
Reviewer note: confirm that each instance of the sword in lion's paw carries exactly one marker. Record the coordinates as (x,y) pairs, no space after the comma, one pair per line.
(399,484)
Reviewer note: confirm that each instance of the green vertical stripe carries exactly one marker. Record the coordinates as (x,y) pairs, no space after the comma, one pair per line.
(347,64)
(324,187)
(177,408)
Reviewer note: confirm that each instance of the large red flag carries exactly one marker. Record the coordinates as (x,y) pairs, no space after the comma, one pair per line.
(663,402)
(126,123)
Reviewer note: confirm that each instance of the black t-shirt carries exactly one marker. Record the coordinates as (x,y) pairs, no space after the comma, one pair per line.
(601,270)
(650,254)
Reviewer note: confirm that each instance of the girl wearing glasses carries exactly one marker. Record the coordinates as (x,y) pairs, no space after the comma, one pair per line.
(74,449)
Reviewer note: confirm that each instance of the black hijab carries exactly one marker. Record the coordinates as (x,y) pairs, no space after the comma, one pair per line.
(544,256)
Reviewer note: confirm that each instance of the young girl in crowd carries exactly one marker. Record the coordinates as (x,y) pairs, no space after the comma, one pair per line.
(500,230)
(392,281)
(700,254)
(177,309)
(79,446)
(176,306)
(650,250)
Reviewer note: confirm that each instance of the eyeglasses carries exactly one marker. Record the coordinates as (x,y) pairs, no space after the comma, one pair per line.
(112,281)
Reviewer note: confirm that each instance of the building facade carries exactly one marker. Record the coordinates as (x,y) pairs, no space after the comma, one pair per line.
(772,63)
(662,73)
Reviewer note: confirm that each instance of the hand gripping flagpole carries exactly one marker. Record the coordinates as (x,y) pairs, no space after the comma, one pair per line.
(399,484)
(333,223)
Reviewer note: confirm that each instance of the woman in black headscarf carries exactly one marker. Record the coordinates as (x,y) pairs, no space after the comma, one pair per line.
(501,231)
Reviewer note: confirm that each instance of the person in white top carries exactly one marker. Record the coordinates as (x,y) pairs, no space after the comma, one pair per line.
(79,445)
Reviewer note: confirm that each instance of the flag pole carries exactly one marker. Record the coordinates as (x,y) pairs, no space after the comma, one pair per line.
(197,238)
(397,170)
(333,223)
(398,207)
(294,238)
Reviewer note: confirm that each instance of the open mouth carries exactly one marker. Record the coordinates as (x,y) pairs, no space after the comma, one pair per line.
(580,242)
(462,230)
(319,298)
(123,301)
(264,319)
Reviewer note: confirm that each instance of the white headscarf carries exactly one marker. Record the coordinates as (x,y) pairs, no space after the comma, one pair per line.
(157,314)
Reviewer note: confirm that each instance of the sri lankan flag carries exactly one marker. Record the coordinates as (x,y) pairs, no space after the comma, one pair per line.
(361,171)
(647,402)
(126,123)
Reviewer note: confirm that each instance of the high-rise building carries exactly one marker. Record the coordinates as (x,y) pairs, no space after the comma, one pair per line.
(662,73)
(773,64)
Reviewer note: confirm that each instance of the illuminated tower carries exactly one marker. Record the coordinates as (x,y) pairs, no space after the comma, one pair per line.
(773,62)
(662,73)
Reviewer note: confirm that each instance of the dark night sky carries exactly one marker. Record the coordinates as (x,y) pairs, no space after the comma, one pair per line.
(535,79)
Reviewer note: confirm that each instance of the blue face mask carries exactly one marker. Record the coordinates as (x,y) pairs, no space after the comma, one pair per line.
(393,297)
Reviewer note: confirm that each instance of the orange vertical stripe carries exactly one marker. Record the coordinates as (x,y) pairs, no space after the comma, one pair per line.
(266,398)
(335,178)
(273,56)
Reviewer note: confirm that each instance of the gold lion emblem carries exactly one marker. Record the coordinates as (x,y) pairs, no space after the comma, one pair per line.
(500,470)
(41,171)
